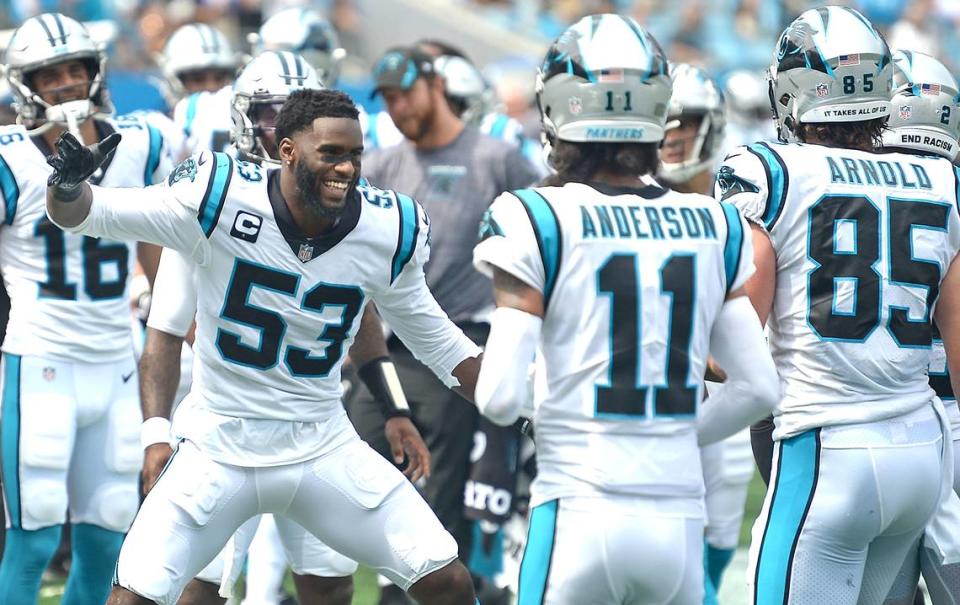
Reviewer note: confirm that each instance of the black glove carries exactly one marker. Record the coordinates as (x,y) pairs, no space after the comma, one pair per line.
(74,163)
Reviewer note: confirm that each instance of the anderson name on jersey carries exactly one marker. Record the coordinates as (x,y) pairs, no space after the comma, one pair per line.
(277,311)
(862,242)
(613,265)
(69,292)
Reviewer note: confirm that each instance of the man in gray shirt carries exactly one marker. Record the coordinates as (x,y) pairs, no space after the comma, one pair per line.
(455,172)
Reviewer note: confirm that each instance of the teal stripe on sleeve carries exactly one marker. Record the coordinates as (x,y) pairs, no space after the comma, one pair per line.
(546,226)
(535,566)
(10,437)
(407,237)
(153,159)
(216,193)
(733,247)
(191,112)
(11,192)
(796,482)
(499,125)
(777,182)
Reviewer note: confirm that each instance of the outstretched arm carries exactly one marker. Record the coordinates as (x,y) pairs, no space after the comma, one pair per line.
(68,195)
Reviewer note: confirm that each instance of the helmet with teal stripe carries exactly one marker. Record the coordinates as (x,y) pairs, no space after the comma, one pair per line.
(259,92)
(604,80)
(830,65)
(925,115)
(196,47)
(46,40)
(305,32)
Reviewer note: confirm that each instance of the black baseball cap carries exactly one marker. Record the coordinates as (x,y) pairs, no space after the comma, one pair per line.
(400,67)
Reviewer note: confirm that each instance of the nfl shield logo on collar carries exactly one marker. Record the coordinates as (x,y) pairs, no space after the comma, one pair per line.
(49,373)
(305,253)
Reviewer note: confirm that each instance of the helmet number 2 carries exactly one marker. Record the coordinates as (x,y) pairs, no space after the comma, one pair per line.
(849,84)
(627,106)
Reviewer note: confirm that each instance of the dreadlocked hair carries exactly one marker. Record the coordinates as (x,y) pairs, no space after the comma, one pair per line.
(579,162)
(866,135)
(304,106)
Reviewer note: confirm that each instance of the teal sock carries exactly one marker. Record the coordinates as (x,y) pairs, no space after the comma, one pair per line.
(95,552)
(716,561)
(25,557)
(709,588)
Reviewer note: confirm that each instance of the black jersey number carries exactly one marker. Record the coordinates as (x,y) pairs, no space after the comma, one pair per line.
(856,264)
(265,354)
(96,255)
(625,395)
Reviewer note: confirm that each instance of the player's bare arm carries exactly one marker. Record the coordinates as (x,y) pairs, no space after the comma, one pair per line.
(947,316)
(369,354)
(69,197)
(762,286)
(159,376)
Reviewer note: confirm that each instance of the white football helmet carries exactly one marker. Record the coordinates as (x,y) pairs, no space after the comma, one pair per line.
(464,82)
(267,80)
(695,95)
(830,65)
(306,33)
(925,112)
(46,40)
(195,47)
(604,80)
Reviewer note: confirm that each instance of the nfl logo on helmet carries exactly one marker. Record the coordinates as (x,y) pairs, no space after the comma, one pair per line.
(822,90)
(905,112)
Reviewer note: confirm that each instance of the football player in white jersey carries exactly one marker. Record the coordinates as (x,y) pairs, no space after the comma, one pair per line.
(855,253)
(688,159)
(622,288)
(320,574)
(263,428)
(199,66)
(925,121)
(70,401)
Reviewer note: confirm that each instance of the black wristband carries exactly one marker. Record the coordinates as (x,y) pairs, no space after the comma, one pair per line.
(380,377)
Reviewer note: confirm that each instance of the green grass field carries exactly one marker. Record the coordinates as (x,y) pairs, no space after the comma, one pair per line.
(365,581)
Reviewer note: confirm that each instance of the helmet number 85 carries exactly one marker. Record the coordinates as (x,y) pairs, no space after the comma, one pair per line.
(849,84)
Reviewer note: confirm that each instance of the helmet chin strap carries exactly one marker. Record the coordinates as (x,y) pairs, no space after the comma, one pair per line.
(71,114)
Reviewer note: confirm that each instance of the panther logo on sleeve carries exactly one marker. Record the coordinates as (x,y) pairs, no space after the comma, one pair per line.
(185,169)
(731,184)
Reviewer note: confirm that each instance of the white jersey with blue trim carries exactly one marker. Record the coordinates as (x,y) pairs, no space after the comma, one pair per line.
(175,140)
(204,118)
(862,241)
(68,293)
(632,280)
(277,311)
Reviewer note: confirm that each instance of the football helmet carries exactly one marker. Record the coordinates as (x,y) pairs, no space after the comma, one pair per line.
(195,47)
(695,95)
(604,80)
(265,83)
(465,84)
(925,112)
(306,33)
(46,40)
(830,65)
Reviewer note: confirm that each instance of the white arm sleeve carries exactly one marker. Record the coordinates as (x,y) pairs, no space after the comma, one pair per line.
(411,311)
(152,214)
(173,305)
(752,388)
(503,385)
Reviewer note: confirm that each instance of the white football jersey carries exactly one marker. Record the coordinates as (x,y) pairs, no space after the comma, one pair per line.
(204,118)
(862,242)
(632,280)
(68,293)
(174,138)
(277,311)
